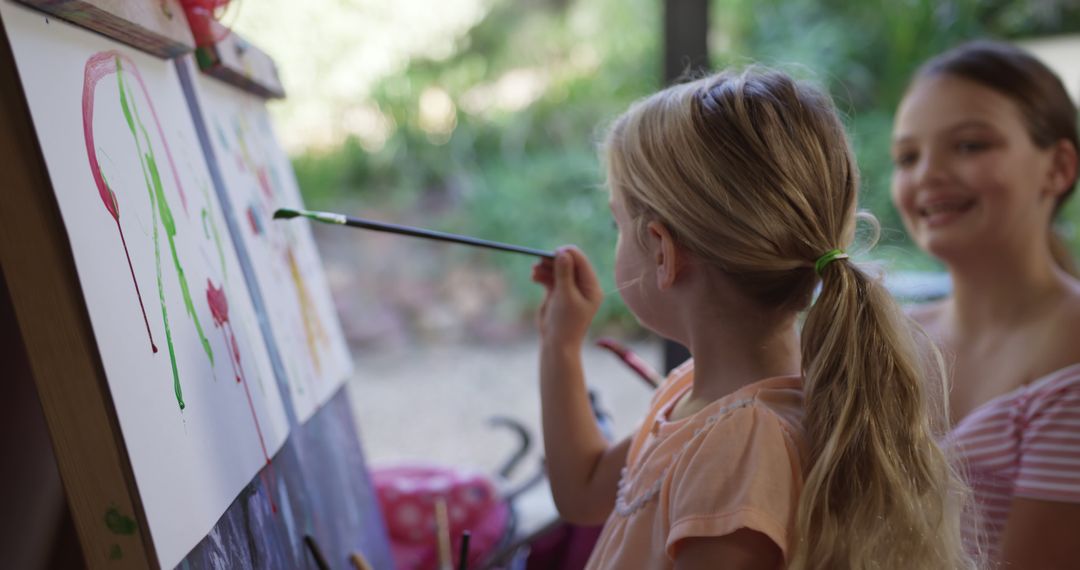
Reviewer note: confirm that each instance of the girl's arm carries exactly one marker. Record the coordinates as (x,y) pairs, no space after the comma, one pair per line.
(743,549)
(583,469)
(1041,534)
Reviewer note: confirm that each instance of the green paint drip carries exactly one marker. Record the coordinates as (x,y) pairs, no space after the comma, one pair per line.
(118,523)
(116,553)
(157,239)
(123,96)
(157,198)
(204,215)
(217,236)
(169,224)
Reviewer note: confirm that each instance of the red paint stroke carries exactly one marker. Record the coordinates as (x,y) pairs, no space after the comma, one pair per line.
(254,220)
(98,66)
(264,183)
(219,309)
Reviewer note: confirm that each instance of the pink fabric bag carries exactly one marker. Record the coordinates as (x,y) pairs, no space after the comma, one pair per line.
(407,495)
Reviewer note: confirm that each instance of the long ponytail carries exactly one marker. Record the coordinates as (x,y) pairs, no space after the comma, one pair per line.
(879,493)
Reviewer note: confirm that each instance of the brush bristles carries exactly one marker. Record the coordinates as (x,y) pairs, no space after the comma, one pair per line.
(285,214)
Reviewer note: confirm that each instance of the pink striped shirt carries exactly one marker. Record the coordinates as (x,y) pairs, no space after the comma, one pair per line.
(1025,443)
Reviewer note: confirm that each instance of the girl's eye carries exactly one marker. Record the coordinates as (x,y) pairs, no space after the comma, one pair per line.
(905,159)
(971,147)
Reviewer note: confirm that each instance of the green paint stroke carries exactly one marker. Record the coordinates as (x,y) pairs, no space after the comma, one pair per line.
(217,236)
(169,223)
(115,553)
(161,209)
(118,523)
(157,240)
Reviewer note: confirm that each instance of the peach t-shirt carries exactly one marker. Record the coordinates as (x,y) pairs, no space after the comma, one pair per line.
(734,464)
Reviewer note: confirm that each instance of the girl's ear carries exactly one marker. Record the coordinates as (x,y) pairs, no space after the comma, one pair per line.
(1063,169)
(667,257)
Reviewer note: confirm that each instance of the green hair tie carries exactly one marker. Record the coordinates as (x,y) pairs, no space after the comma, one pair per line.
(828,258)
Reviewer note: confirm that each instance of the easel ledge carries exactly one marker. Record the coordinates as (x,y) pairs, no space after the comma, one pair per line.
(154,27)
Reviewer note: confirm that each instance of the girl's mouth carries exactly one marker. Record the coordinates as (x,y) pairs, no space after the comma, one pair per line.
(944,211)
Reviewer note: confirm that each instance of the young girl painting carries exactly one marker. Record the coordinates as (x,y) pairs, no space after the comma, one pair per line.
(782,443)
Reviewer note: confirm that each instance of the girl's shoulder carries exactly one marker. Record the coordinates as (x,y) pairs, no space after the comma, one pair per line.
(1059,332)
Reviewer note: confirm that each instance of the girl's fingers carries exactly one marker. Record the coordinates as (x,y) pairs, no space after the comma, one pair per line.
(542,274)
(585,275)
(564,270)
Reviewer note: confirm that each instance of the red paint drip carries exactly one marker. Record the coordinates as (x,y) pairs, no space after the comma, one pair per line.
(253,219)
(138,294)
(97,67)
(219,305)
(264,183)
(219,310)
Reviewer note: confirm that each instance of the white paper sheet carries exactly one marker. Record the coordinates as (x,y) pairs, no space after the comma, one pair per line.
(158,269)
(259,179)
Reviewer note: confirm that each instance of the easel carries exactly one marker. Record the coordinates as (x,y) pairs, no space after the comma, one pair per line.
(52,345)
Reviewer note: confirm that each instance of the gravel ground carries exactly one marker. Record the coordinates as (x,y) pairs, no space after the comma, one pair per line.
(431,404)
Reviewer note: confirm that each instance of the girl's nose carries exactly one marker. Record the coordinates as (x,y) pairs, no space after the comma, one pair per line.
(931,169)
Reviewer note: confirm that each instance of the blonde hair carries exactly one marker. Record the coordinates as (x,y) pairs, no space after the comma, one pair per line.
(752,173)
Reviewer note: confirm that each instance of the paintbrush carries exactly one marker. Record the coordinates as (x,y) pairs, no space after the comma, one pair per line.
(442,532)
(343,220)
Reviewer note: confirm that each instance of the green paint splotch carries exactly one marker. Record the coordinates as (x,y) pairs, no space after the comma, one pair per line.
(161,211)
(118,523)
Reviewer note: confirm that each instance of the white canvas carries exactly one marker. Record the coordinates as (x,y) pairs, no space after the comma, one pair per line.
(189,462)
(259,179)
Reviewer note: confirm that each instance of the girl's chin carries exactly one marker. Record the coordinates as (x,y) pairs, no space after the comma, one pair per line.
(953,249)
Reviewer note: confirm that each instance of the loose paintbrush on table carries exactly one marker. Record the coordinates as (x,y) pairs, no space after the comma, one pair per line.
(343,220)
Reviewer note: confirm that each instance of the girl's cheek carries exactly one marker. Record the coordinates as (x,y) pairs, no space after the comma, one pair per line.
(902,193)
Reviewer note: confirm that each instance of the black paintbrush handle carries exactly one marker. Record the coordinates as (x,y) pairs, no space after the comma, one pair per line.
(443,236)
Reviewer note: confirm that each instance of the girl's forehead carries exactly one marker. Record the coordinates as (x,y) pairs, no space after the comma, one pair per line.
(941,102)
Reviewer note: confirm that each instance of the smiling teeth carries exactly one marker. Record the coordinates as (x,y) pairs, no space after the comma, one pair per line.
(944,207)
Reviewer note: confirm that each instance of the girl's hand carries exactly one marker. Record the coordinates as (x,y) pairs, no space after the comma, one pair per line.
(572,299)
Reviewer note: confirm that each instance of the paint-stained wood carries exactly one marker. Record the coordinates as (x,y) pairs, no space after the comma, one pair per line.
(158,27)
(224,54)
(59,342)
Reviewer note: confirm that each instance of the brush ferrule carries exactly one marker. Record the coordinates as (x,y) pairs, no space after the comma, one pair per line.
(331,218)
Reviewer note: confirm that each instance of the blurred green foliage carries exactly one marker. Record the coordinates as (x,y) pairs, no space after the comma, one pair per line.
(530,175)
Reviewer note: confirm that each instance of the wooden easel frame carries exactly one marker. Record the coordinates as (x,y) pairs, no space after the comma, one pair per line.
(37,264)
